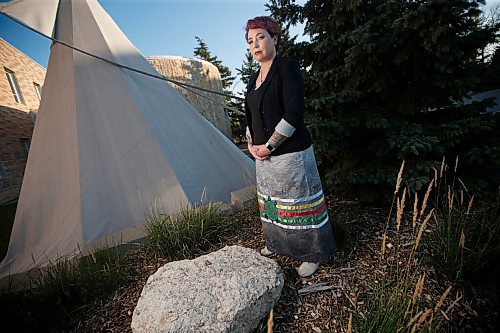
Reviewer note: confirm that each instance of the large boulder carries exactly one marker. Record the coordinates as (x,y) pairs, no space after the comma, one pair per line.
(229,290)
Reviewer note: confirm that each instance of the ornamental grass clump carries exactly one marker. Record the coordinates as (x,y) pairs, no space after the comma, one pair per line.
(395,302)
(72,282)
(188,232)
(63,286)
(465,235)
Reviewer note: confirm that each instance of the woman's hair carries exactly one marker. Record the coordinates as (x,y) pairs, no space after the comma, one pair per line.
(265,22)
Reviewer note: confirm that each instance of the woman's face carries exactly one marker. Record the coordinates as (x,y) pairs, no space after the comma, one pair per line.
(262,45)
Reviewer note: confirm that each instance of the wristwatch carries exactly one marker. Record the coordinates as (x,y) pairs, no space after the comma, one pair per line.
(270,146)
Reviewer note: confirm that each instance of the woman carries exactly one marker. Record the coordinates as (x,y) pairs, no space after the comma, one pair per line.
(292,207)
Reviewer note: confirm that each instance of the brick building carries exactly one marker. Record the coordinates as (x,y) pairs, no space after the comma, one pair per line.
(21,81)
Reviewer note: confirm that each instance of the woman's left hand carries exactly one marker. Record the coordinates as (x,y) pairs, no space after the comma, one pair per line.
(262,151)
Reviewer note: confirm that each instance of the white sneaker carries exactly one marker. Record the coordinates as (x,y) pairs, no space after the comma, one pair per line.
(307,268)
(265,251)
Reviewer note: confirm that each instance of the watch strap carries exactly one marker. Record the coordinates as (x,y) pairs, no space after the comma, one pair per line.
(270,146)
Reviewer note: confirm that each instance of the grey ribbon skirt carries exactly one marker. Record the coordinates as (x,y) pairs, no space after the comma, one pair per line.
(292,207)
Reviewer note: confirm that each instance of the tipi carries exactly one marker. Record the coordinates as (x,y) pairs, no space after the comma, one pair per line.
(108,143)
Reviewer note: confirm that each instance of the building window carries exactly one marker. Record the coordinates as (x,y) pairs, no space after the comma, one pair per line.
(38,90)
(14,86)
(26,144)
(32,116)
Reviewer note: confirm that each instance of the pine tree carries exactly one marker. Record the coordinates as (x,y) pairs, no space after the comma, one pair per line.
(202,52)
(492,73)
(248,68)
(384,83)
(238,123)
(495,62)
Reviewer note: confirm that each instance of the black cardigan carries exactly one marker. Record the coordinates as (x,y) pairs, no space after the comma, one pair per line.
(282,97)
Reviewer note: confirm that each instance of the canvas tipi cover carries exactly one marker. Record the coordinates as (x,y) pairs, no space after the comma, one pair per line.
(108,143)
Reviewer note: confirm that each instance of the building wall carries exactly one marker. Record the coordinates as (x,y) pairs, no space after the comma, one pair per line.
(27,72)
(16,119)
(201,74)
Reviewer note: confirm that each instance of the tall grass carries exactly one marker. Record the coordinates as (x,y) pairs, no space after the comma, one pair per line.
(465,234)
(395,303)
(446,230)
(73,282)
(63,286)
(386,309)
(188,232)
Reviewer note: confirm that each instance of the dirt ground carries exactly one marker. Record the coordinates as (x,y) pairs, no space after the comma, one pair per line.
(348,278)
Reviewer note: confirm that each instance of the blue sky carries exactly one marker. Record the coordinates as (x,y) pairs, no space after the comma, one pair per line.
(163,27)
(167,27)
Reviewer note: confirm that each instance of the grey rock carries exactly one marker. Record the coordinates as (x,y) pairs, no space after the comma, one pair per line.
(229,290)
(243,198)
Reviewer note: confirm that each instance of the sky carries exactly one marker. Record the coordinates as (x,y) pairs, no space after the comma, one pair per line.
(168,27)
(164,27)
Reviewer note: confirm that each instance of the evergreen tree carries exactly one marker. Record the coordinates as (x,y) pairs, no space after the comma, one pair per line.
(384,83)
(495,65)
(492,74)
(246,70)
(202,52)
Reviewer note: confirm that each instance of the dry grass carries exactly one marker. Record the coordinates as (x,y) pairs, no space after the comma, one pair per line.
(395,303)
(270,322)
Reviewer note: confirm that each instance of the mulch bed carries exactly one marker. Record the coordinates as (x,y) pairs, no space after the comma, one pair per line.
(348,280)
